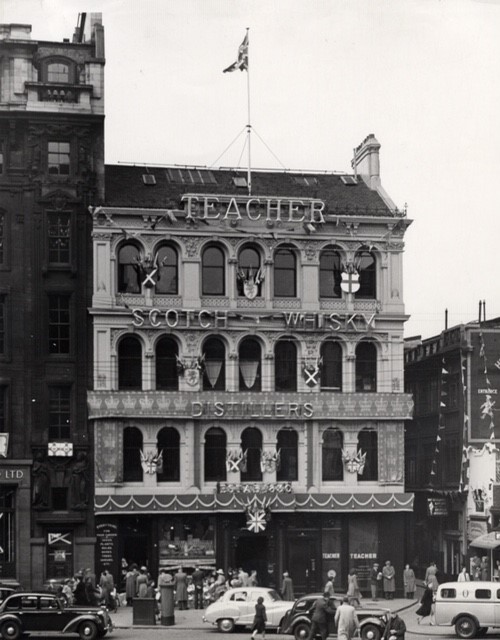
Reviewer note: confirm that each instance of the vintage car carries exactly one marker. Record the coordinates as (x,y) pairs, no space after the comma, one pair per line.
(372,620)
(29,611)
(236,608)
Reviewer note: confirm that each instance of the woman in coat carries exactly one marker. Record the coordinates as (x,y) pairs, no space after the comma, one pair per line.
(353,592)
(131,583)
(287,587)
(181,594)
(389,577)
(409,581)
(142,583)
(426,604)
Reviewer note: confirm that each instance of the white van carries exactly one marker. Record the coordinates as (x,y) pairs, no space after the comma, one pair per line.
(472,607)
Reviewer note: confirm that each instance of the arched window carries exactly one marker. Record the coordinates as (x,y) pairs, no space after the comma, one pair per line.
(132,448)
(214,369)
(285,273)
(129,277)
(168,277)
(367,269)
(331,366)
(330,274)
(129,363)
(368,443)
(251,442)
(366,367)
(167,377)
(213,272)
(250,365)
(287,445)
(168,443)
(333,443)
(249,273)
(215,455)
(58,72)
(285,366)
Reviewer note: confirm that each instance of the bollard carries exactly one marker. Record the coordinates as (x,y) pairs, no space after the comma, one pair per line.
(167,604)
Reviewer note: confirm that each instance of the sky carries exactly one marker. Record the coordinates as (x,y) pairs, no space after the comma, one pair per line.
(422,75)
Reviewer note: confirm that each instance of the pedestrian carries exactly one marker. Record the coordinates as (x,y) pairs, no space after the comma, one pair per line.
(409,581)
(287,587)
(91,593)
(426,604)
(260,619)
(389,579)
(347,621)
(485,568)
(319,620)
(329,587)
(197,580)
(67,592)
(397,626)
(131,583)
(243,577)
(475,567)
(496,571)
(107,584)
(463,576)
(253,581)
(431,575)
(142,582)
(353,592)
(181,594)
(375,580)
(79,596)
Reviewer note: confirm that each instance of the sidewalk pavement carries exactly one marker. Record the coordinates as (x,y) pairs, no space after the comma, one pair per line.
(192,619)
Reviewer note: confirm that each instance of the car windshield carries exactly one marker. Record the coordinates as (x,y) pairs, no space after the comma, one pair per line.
(274,595)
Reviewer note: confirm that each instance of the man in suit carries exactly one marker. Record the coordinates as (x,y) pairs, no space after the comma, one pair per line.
(319,621)
(347,620)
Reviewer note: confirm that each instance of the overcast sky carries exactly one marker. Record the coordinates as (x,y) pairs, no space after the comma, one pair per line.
(422,75)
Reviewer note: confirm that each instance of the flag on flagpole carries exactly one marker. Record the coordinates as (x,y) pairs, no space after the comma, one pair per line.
(242,61)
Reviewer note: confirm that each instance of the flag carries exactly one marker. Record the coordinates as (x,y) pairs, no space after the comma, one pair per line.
(242,62)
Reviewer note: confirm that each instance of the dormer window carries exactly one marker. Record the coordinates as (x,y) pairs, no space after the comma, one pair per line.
(57,72)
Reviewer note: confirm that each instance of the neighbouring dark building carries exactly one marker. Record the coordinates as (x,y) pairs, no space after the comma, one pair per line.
(51,169)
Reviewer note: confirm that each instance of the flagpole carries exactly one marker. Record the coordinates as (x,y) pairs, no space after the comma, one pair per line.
(249,126)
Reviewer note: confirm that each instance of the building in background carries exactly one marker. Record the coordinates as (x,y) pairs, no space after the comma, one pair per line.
(247,403)
(51,168)
(451,447)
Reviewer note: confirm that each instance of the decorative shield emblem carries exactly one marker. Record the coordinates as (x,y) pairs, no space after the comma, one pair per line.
(349,281)
(192,376)
(250,289)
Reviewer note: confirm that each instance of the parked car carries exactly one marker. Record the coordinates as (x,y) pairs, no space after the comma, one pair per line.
(8,587)
(372,620)
(236,608)
(29,611)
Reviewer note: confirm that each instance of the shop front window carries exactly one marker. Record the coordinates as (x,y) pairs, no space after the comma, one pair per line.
(8,531)
(187,541)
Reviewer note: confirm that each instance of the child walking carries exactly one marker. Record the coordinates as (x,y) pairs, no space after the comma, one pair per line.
(260,619)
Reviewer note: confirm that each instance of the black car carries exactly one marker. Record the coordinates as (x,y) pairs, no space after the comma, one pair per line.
(28,611)
(372,620)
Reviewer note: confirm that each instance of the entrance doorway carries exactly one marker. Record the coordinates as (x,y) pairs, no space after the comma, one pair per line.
(303,563)
(251,553)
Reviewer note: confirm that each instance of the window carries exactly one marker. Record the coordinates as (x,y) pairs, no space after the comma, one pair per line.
(129,364)
(168,443)
(191,176)
(285,366)
(129,279)
(58,158)
(3,324)
(284,273)
(167,377)
(58,227)
(366,367)
(288,469)
(250,365)
(333,443)
(213,272)
(330,268)
(168,277)
(248,273)
(331,366)
(251,443)
(59,413)
(3,409)
(59,324)
(215,455)
(132,448)
(214,370)
(448,593)
(8,530)
(368,444)
(57,72)
(366,264)
(483,594)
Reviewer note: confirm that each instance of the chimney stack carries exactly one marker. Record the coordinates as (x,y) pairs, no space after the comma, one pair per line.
(366,161)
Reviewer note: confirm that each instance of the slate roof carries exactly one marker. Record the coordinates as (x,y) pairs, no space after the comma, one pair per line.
(125,188)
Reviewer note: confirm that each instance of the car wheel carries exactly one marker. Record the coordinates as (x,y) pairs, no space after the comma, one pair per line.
(370,632)
(225,625)
(88,630)
(466,627)
(301,630)
(10,630)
